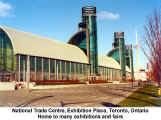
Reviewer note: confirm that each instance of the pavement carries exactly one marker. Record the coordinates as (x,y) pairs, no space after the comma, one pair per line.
(81,95)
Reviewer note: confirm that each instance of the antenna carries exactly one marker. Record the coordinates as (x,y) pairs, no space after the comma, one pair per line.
(137,53)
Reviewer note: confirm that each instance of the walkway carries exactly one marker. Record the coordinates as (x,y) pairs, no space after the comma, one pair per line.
(99,95)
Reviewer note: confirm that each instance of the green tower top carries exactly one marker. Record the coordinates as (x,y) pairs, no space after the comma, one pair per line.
(117,37)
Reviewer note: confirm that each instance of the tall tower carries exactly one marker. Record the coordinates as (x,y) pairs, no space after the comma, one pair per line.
(137,54)
(90,24)
(120,42)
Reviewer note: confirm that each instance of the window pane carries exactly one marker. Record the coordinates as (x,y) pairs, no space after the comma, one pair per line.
(32,63)
(52,66)
(46,65)
(72,69)
(39,64)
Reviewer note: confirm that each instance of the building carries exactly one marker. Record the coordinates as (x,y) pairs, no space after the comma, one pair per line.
(24,56)
(123,54)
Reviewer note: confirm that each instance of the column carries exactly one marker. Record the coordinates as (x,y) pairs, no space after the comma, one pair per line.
(35,67)
(19,68)
(28,72)
(49,69)
(70,71)
(60,70)
(42,69)
(55,73)
(65,71)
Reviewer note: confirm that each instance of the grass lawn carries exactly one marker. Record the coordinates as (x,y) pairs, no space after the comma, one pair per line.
(145,96)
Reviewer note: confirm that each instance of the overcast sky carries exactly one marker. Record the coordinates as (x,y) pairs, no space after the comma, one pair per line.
(58,19)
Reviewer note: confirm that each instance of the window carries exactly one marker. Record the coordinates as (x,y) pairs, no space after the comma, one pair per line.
(67,67)
(6,53)
(62,66)
(72,67)
(46,65)
(52,66)
(39,64)
(32,63)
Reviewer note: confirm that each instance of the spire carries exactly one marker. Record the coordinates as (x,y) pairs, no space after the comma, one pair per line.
(137,53)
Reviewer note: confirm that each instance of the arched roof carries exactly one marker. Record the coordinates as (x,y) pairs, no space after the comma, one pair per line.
(108,62)
(116,55)
(29,44)
(77,37)
(33,45)
(111,51)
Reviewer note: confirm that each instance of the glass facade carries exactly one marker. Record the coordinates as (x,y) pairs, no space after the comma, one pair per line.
(42,68)
(6,53)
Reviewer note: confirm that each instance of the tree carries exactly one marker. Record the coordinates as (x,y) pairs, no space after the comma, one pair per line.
(152,45)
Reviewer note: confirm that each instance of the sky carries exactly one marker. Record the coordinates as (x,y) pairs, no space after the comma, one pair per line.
(58,19)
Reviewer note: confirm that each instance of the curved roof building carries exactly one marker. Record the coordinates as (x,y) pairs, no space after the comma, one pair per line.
(33,45)
(37,58)
(28,44)
(47,56)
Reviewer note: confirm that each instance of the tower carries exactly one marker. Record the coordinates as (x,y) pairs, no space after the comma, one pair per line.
(137,53)
(120,42)
(90,25)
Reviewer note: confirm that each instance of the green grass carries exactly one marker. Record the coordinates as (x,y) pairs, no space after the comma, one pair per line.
(145,96)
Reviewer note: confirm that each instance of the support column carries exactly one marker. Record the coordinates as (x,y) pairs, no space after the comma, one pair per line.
(75,70)
(82,69)
(42,69)
(65,73)
(70,70)
(60,70)
(35,67)
(108,74)
(49,69)
(111,75)
(55,73)
(28,72)
(105,73)
(78,70)
(19,68)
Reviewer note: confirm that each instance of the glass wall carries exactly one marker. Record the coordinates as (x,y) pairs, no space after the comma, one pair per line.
(47,69)
(109,74)
(32,68)
(38,68)
(6,53)
(50,69)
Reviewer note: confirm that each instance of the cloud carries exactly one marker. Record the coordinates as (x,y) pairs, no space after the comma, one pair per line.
(4,9)
(105,15)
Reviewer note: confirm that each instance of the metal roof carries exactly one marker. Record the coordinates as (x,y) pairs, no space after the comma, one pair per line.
(108,62)
(29,44)
(33,45)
